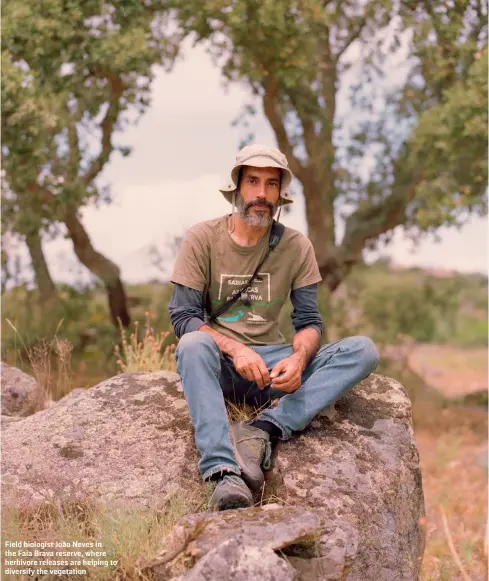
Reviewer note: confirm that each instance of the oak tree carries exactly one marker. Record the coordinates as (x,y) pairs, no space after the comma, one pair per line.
(74,74)
(406,147)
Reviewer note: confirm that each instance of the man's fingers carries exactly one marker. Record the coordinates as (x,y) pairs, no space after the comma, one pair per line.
(257,377)
(260,369)
(289,388)
(279,368)
(245,372)
(284,378)
(253,369)
(265,375)
(253,373)
(287,384)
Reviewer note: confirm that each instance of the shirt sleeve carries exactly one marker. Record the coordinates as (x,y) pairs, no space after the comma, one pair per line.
(186,308)
(306,312)
(308,272)
(192,264)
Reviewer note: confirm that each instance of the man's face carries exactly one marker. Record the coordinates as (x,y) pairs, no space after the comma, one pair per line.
(259,195)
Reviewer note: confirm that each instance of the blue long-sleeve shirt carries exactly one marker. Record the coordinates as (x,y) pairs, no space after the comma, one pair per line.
(186,309)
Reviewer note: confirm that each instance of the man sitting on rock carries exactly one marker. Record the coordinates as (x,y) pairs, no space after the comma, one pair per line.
(237,351)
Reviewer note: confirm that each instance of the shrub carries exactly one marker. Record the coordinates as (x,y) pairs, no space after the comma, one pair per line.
(399,306)
(151,353)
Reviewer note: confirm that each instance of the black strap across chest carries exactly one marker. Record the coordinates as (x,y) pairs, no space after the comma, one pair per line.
(275,236)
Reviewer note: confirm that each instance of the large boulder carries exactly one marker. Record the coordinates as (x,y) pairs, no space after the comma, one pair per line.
(361,467)
(21,394)
(203,539)
(233,560)
(129,441)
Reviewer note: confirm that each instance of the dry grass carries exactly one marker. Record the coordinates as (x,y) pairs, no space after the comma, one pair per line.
(130,538)
(455,479)
(453,448)
(50,361)
(145,353)
(452,370)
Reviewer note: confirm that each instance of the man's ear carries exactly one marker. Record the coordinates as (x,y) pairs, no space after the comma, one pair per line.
(240,175)
(279,208)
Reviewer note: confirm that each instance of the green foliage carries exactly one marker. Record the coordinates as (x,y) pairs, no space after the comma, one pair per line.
(470,332)
(385,304)
(81,318)
(69,70)
(413,302)
(74,74)
(450,141)
(399,306)
(412,151)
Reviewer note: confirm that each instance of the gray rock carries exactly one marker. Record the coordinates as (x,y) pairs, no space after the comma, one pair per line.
(74,393)
(8,420)
(233,561)
(333,555)
(273,527)
(362,469)
(127,441)
(21,394)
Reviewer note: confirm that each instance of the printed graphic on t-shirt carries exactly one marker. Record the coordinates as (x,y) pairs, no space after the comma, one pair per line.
(258,293)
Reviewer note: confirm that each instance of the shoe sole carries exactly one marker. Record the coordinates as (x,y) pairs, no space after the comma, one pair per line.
(234,503)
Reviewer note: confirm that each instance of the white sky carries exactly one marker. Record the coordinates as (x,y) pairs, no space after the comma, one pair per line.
(182,148)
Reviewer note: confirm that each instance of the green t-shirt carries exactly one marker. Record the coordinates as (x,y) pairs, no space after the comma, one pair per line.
(210,261)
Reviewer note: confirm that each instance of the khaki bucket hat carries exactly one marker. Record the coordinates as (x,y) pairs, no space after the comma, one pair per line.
(260,156)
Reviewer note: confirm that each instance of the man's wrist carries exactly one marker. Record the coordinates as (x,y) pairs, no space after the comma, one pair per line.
(226,344)
(300,354)
(306,344)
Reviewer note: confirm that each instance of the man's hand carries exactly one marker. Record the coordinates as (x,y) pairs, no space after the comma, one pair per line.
(287,373)
(250,366)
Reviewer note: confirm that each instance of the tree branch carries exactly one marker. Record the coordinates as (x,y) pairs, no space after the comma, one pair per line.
(329,88)
(74,155)
(45,284)
(273,116)
(108,123)
(96,262)
(355,34)
(376,219)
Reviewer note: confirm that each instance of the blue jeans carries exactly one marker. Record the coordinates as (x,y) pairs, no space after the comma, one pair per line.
(208,377)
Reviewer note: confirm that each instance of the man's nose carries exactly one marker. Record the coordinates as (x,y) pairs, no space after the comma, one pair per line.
(262,191)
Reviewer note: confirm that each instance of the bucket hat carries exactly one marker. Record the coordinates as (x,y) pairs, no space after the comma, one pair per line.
(260,156)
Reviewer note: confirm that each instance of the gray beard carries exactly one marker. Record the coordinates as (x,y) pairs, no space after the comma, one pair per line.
(258,219)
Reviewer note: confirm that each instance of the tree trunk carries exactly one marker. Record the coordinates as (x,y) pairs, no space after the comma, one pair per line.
(101,267)
(45,284)
(321,232)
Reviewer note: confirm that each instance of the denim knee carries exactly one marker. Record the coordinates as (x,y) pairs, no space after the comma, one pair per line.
(196,343)
(368,350)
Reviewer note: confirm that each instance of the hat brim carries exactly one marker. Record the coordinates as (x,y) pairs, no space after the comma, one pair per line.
(259,161)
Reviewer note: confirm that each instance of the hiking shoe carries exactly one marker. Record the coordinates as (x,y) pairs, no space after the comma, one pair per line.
(252,449)
(230,492)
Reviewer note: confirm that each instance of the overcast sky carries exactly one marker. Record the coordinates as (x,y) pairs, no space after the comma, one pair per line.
(182,148)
